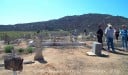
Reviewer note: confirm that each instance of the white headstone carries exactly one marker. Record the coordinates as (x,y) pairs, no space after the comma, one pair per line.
(97,47)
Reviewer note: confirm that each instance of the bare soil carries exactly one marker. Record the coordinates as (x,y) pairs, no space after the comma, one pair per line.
(73,61)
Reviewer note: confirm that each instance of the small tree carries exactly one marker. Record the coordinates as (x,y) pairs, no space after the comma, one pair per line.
(6,38)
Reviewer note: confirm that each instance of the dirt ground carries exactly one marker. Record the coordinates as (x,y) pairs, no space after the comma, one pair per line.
(74,61)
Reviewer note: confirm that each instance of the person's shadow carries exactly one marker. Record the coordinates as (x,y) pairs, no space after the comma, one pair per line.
(121,52)
(118,51)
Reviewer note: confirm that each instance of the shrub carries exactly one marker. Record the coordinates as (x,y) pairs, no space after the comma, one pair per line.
(8,49)
(30,49)
(21,50)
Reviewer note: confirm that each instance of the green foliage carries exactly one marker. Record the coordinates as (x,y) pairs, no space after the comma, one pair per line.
(8,49)
(21,50)
(30,49)
(14,34)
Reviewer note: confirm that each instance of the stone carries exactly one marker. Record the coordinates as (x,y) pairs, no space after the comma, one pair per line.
(91,54)
(38,53)
(13,63)
(96,48)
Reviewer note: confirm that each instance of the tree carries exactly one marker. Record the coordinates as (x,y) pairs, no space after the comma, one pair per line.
(6,38)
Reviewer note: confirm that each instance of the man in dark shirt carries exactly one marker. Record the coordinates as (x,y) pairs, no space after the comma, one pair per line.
(100,34)
(85,32)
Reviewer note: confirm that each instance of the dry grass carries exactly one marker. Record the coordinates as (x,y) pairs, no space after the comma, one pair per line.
(74,61)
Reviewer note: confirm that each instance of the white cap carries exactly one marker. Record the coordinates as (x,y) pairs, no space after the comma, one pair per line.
(109,25)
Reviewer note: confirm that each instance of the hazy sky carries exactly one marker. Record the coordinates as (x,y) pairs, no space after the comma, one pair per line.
(25,11)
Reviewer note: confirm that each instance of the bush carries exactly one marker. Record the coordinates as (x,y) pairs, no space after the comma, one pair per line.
(21,50)
(8,49)
(30,49)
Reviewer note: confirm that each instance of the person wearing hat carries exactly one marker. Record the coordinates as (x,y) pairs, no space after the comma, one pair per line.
(124,36)
(109,33)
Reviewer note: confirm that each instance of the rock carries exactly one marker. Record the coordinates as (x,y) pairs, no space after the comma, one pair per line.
(97,47)
(13,63)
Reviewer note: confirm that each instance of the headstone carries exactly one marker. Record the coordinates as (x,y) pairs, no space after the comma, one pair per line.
(38,53)
(97,47)
(13,63)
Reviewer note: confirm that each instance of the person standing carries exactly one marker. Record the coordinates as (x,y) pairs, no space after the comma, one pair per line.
(124,35)
(109,33)
(100,35)
(74,35)
(85,32)
(117,33)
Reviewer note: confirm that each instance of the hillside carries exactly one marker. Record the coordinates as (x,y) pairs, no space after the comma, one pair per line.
(68,23)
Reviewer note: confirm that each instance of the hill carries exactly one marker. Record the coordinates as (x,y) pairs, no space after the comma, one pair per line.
(68,23)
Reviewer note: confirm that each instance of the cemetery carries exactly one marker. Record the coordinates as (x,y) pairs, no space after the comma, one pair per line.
(60,54)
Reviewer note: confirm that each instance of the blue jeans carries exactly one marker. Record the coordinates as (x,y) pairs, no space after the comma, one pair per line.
(124,42)
(110,43)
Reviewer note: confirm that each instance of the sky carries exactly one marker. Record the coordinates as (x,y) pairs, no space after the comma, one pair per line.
(26,11)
